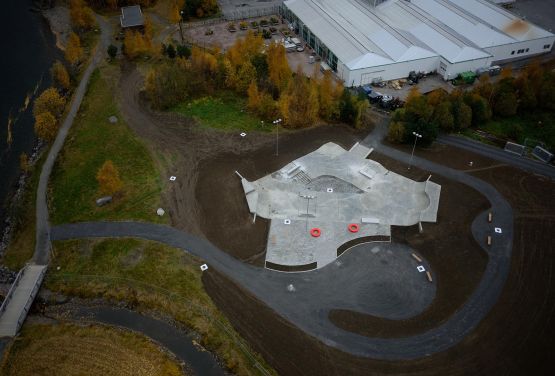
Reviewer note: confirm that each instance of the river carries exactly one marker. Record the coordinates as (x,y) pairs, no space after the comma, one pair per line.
(28,51)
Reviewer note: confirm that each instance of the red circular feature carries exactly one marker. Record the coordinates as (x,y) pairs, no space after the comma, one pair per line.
(353,227)
(315,232)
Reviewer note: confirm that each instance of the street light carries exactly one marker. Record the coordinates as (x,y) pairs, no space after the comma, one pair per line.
(276,123)
(180,28)
(416,137)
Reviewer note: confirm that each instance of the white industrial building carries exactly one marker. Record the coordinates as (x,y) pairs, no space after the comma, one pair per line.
(369,40)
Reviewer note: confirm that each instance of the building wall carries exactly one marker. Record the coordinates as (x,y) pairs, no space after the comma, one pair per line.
(386,72)
(452,70)
(511,51)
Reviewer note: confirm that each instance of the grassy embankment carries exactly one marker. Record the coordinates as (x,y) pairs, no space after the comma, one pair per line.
(66,349)
(538,126)
(149,276)
(225,112)
(91,141)
(21,247)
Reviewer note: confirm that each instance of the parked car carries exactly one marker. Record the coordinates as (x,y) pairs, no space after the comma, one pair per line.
(375,97)
(367,89)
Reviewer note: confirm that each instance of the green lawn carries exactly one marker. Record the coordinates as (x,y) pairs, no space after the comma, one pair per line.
(226,112)
(147,275)
(539,126)
(91,141)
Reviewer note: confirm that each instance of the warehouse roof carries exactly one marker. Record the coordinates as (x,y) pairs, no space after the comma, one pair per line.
(362,35)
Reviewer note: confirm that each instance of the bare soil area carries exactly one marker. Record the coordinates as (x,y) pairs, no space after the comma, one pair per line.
(513,339)
(205,200)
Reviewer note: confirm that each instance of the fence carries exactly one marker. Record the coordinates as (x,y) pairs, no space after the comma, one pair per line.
(11,291)
(31,299)
(235,15)
(230,332)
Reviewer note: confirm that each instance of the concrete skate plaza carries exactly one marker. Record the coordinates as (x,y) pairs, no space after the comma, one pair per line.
(331,189)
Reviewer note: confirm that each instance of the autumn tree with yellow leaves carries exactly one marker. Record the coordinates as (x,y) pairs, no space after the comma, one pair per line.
(60,76)
(298,104)
(278,67)
(49,101)
(74,51)
(109,182)
(82,17)
(46,126)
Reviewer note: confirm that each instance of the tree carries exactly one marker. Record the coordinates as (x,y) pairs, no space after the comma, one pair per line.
(49,101)
(253,101)
(112,51)
(396,132)
(505,99)
(462,114)
(60,75)
(183,51)
(170,50)
(46,126)
(82,17)
(443,116)
(278,67)
(245,75)
(481,111)
(108,179)
(327,95)
(74,51)
(175,9)
(299,103)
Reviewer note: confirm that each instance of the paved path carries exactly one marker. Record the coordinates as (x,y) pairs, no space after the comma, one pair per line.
(314,296)
(24,292)
(309,302)
(42,246)
(498,154)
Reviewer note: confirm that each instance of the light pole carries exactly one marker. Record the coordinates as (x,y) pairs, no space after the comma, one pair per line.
(180,28)
(416,137)
(276,123)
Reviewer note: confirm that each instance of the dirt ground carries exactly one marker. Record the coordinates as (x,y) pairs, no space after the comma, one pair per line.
(511,340)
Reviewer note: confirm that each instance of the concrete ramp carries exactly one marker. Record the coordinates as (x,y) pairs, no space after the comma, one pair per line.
(361,151)
(15,307)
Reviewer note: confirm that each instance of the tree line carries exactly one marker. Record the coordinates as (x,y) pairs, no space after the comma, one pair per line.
(533,89)
(262,75)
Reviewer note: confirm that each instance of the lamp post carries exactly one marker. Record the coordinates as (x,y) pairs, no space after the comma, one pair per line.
(416,137)
(276,123)
(180,28)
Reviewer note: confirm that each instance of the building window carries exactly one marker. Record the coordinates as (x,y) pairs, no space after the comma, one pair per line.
(546,46)
(512,52)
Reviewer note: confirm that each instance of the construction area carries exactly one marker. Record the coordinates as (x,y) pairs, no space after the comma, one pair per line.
(330,197)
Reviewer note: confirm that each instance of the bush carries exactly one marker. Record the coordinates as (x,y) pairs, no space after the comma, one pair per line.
(183,51)
(266,34)
(112,51)
(396,132)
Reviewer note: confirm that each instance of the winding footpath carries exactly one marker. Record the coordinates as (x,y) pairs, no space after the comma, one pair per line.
(308,304)
(314,296)
(42,246)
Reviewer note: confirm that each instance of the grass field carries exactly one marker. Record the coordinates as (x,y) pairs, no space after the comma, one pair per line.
(539,126)
(147,275)
(66,349)
(226,112)
(91,141)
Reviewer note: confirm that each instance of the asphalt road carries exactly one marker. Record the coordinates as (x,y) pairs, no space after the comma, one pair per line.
(42,246)
(345,283)
(498,154)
